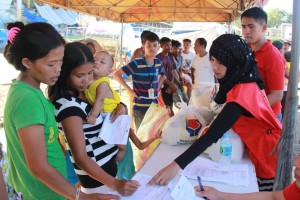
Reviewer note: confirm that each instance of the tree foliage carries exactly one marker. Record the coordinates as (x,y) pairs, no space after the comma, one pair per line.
(277,16)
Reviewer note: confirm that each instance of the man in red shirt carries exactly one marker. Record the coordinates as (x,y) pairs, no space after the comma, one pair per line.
(271,63)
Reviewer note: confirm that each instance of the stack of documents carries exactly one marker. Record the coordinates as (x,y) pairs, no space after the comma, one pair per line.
(237,174)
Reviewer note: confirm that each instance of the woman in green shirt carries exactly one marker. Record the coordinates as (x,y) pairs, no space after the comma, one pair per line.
(38,168)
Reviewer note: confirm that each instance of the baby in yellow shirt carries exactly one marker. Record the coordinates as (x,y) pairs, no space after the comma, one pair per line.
(100,93)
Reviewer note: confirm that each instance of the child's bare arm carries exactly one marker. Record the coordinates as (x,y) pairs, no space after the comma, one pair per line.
(160,80)
(103,91)
(142,145)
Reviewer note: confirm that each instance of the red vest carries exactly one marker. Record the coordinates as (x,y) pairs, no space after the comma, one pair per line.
(260,132)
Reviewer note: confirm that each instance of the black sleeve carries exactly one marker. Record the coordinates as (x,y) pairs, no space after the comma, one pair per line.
(70,109)
(225,120)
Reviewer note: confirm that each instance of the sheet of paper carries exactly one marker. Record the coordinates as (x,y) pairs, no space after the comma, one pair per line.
(184,190)
(238,174)
(146,192)
(116,132)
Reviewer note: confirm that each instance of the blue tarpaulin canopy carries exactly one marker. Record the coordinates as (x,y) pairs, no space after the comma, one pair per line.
(31,17)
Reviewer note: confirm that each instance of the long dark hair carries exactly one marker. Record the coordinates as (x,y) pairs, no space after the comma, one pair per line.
(32,41)
(76,55)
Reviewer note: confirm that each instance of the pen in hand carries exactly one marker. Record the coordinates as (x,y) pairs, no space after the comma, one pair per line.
(200,185)
(127,179)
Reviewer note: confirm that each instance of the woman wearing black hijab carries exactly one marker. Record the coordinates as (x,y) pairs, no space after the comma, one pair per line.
(247,112)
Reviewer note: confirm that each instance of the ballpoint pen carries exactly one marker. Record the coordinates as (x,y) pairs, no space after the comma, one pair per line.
(200,185)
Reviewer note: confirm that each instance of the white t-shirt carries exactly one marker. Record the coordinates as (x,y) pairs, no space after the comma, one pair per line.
(203,70)
(187,60)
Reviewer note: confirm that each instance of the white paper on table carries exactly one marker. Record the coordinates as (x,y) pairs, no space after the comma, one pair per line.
(116,132)
(237,174)
(147,192)
(184,190)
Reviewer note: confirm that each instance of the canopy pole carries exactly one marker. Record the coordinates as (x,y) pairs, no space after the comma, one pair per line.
(121,50)
(229,23)
(19,10)
(286,146)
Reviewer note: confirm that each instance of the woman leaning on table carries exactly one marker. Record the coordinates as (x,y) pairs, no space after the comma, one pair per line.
(247,112)
(94,160)
(37,164)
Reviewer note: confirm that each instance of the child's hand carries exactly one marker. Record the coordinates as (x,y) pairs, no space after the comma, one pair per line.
(134,94)
(91,119)
(158,135)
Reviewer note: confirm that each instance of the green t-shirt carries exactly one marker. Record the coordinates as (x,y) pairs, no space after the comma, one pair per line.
(25,106)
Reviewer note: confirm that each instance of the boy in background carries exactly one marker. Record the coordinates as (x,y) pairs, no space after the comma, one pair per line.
(147,77)
(179,81)
(170,68)
(271,63)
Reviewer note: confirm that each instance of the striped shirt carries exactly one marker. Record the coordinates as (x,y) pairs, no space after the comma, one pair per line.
(103,154)
(144,77)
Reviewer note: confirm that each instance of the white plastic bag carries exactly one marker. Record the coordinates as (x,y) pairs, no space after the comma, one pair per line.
(186,124)
(201,95)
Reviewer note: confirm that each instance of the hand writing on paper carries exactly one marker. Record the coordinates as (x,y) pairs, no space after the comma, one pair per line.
(127,188)
(164,176)
(209,192)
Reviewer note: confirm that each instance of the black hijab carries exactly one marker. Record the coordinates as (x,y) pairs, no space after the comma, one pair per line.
(234,53)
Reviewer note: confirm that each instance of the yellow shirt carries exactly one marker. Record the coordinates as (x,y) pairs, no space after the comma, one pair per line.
(108,104)
(288,65)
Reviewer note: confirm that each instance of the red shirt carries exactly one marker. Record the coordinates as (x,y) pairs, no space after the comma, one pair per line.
(271,66)
(260,132)
(292,192)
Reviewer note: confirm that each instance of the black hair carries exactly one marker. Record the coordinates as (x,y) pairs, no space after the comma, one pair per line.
(187,40)
(144,33)
(164,40)
(278,44)
(202,41)
(76,55)
(257,13)
(176,43)
(33,41)
(152,37)
(287,56)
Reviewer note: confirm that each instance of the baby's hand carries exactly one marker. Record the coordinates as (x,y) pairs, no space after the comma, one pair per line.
(91,119)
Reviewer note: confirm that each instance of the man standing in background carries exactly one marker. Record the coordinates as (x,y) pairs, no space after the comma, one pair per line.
(271,63)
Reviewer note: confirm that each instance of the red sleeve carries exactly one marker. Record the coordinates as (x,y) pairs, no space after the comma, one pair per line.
(291,192)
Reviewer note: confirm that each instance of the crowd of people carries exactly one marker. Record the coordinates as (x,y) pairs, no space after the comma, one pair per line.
(250,73)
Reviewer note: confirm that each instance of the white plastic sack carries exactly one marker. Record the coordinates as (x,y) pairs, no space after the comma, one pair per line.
(201,94)
(238,147)
(186,124)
